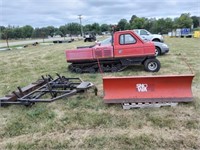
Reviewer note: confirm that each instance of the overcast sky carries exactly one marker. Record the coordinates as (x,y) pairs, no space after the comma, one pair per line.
(41,13)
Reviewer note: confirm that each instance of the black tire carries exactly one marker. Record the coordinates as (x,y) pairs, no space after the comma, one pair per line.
(114,69)
(157,51)
(92,70)
(70,67)
(119,66)
(29,104)
(152,65)
(78,70)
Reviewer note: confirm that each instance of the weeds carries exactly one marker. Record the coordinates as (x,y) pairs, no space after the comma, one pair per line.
(29,122)
(142,141)
(162,121)
(93,124)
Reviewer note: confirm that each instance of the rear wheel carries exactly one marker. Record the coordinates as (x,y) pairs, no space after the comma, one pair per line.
(114,69)
(152,65)
(78,70)
(91,70)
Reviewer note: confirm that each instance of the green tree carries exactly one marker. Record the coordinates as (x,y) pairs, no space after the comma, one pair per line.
(138,23)
(2,28)
(96,28)
(27,31)
(7,34)
(36,33)
(184,21)
(51,30)
(128,26)
(105,27)
(58,32)
(64,30)
(161,25)
(18,32)
(132,18)
(122,24)
(87,27)
(74,28)
(148,23)
(196,21)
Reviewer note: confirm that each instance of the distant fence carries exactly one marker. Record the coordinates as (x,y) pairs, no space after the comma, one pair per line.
(185,32)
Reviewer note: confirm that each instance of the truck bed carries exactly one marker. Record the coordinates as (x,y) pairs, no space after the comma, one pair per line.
(97,52)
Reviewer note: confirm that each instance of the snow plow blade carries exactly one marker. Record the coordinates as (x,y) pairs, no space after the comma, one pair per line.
(148,89)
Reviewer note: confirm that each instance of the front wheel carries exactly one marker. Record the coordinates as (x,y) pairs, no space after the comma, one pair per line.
(157,51)
(152,65)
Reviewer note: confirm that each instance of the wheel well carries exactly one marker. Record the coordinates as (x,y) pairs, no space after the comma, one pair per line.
(158,48)
(149,57)
(156,39)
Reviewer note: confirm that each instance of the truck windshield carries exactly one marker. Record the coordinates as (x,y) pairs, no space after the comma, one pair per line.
(106,41)
(142,37)
(144,32)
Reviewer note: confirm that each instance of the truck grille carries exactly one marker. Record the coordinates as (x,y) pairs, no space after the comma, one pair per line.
(107,53)
(103,53)
(98,53)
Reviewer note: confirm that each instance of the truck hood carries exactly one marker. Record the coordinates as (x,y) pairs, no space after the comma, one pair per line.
(156,35)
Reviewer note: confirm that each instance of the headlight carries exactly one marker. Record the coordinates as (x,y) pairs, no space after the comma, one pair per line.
(164,45)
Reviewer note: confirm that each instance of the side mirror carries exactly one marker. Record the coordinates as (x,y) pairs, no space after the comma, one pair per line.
(97,43)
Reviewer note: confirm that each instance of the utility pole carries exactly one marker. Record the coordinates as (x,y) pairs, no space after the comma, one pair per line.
(80,17)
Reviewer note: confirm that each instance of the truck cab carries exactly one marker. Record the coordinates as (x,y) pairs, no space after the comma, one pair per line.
(128,44)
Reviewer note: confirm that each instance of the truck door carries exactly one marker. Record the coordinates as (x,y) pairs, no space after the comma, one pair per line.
(128,46)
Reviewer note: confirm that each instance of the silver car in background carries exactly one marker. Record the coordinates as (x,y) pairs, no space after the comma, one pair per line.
(161,48)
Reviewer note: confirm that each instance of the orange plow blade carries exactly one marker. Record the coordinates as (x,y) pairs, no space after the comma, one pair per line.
(142,89)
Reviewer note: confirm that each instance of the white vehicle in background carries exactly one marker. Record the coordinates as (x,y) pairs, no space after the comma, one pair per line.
(161,48)
(147,35)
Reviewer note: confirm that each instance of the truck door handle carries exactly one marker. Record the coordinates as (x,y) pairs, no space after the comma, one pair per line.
(120,51)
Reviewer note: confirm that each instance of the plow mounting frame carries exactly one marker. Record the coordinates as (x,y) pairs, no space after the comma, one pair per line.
(47,89)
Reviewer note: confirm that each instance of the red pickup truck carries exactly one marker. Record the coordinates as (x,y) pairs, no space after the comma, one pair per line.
(124,49)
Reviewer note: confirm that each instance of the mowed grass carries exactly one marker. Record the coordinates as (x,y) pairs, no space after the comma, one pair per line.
(84,121)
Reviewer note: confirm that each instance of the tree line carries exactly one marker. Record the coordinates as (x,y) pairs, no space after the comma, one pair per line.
(162,25)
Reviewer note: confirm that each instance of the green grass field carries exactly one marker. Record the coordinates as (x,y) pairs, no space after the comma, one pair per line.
(84,121)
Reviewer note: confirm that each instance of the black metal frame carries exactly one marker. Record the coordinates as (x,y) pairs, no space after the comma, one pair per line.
(47,89)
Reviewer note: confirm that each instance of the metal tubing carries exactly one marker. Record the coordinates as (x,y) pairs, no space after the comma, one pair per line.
(49,100)
(46,90)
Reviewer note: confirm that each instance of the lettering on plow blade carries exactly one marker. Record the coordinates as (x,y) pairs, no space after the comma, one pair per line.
(142,87)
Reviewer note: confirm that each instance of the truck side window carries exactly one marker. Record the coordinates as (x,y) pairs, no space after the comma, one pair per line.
(143,32)
(127,39)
